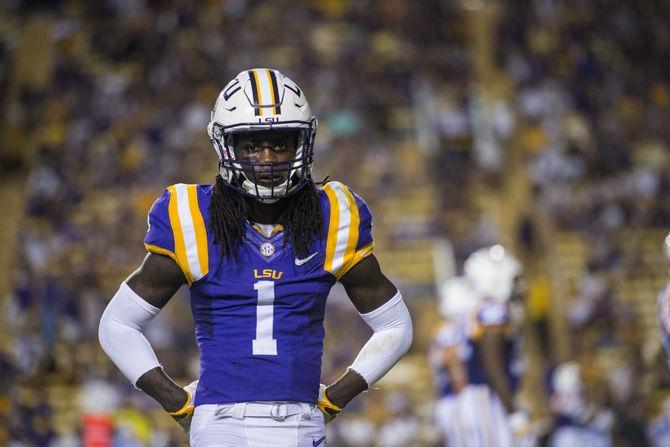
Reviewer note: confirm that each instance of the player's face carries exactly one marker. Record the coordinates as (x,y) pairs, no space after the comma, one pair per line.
(272,146)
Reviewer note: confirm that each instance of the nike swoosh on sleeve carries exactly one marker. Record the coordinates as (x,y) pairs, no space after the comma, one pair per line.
(317,442)
(304,260)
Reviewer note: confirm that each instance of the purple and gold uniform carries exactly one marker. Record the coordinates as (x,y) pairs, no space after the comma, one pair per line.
(465,334)
(474,416)
(259,315)
(450,335)
(498,316)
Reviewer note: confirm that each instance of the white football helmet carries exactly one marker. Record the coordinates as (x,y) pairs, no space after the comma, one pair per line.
(457,298)
(262,99)
(568,392)
(493,272)
(567,378)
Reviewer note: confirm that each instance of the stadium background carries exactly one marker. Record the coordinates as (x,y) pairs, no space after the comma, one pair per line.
(540,124)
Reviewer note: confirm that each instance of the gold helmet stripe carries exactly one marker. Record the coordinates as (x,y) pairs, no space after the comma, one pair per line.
(256,91)
(272,77)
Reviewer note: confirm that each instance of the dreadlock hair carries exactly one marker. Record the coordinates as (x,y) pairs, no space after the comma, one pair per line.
(302,220)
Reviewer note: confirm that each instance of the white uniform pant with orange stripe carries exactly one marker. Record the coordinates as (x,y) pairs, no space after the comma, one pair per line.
(475,417)
(258,424)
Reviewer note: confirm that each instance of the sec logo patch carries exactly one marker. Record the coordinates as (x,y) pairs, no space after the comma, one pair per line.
(267,249)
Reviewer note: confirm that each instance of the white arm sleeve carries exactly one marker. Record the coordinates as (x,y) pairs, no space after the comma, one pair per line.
(392,326)
(120,333)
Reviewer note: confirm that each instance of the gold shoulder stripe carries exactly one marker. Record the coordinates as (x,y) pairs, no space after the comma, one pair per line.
(179,247)
(333,225)
(199,229)
(354,222)
(353,225)
(343,230)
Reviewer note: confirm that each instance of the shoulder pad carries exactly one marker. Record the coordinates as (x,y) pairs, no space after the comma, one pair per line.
(177,229)
(349,224)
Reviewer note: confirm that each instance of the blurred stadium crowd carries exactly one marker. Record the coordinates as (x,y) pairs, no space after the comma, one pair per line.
(557,147)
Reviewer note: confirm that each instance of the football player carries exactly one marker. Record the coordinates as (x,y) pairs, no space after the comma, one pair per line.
(659,427)
(495,365)
(260,250)
(449,355)
(577,421)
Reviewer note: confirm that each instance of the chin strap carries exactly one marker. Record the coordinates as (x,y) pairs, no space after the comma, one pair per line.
(263,193)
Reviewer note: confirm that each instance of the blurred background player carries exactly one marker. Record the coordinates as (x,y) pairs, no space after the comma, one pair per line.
(475,353)
(450,355)
(659,426)
(577,420)
(495,276)
(663,306)
(260,251)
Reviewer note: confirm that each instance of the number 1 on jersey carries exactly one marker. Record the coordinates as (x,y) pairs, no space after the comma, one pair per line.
(264,344)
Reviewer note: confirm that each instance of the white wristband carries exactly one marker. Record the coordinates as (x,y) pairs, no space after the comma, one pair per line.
(120,333)
(392,326)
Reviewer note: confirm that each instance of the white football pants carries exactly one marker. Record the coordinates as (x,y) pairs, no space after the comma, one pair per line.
(258,424)
(581,436)
(475,417)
